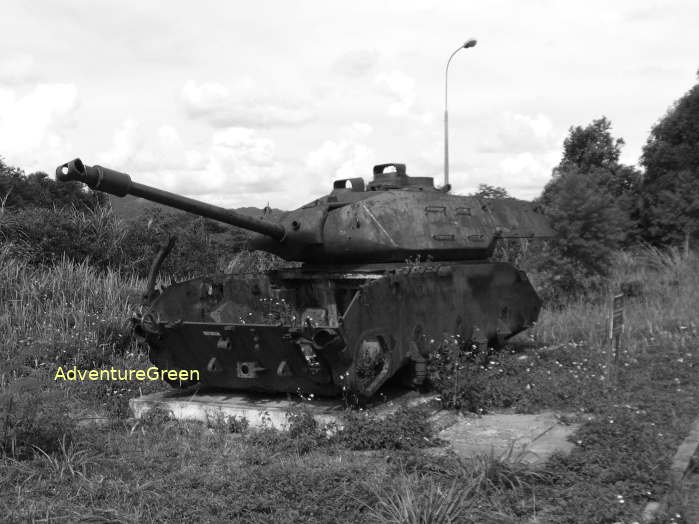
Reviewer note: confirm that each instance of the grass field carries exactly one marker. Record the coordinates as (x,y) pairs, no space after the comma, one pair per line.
(58,465)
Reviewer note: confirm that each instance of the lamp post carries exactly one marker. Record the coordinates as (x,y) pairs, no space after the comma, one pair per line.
(469,43)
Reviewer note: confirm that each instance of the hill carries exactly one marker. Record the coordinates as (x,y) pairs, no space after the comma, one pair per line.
(133,208)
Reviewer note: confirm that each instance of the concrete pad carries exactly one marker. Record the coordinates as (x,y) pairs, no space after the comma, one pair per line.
(262,410)
(531,439)
(682,461)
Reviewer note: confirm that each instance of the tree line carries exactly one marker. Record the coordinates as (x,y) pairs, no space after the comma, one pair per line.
(42,221)
(598,205)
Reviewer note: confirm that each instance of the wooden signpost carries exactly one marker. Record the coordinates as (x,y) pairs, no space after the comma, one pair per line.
(616,328)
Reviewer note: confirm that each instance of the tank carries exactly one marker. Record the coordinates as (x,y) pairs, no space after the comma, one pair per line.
(388,268)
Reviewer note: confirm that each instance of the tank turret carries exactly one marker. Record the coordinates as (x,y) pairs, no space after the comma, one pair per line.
(394,218)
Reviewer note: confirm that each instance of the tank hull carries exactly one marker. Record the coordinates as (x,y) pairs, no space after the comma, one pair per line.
(331,330)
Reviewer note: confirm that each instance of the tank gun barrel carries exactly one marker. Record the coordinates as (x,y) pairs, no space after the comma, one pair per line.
(120,184)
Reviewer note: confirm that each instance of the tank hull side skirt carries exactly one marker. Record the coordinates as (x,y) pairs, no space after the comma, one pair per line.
(325,333)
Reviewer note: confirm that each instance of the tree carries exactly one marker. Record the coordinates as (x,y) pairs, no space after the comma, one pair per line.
(488,191)
(670,187)
(19,191)
(589,224)
(592,146)
(592,203)
(593,149)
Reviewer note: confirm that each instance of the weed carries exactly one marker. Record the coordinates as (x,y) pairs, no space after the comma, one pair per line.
(490,473)
(302,436)
(156,417)
(408,427)
(482,474)
(246,261)
(418,499)
(68,460)
(222,423)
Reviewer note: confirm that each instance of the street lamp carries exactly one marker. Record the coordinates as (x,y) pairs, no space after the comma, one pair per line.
(469,43)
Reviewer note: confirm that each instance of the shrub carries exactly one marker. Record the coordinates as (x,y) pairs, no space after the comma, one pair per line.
(227,424)
(418,499)
(513,379)
(47,235)
(156,417)
(591,202)
(18,190)
(408,427)
(302,436)
(202,245)
(246,261)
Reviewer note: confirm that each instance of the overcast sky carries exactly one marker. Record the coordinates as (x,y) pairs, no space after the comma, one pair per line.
(241,103)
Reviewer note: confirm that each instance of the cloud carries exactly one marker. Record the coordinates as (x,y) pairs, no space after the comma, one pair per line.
(520,163)
(241,159)
(522,174)
(244,104)
(236,160)
(346,157)
(17,69)
(518,133)
(156,157)
(356,64)
(526,173)
(400,89)
(33,125)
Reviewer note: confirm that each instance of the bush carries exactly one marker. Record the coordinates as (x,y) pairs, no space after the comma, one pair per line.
(18,191)
(227,424)
(592,202)
(418,499)
(303,435)
(512,378)
(202,246)
(590,228)
(407,428)
(47,235)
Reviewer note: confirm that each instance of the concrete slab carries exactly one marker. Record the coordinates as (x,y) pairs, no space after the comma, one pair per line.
(682,461)
(262,410)
(531,439)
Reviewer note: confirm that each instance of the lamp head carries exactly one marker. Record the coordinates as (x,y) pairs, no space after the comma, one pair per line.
(470,43)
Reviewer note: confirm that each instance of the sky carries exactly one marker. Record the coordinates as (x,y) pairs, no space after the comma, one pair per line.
(249,103)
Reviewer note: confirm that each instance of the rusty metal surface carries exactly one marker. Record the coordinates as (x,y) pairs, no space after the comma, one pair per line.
(286,332)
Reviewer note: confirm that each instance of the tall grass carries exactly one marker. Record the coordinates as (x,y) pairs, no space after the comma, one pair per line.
(418,499)
(64,313)
(665,299)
